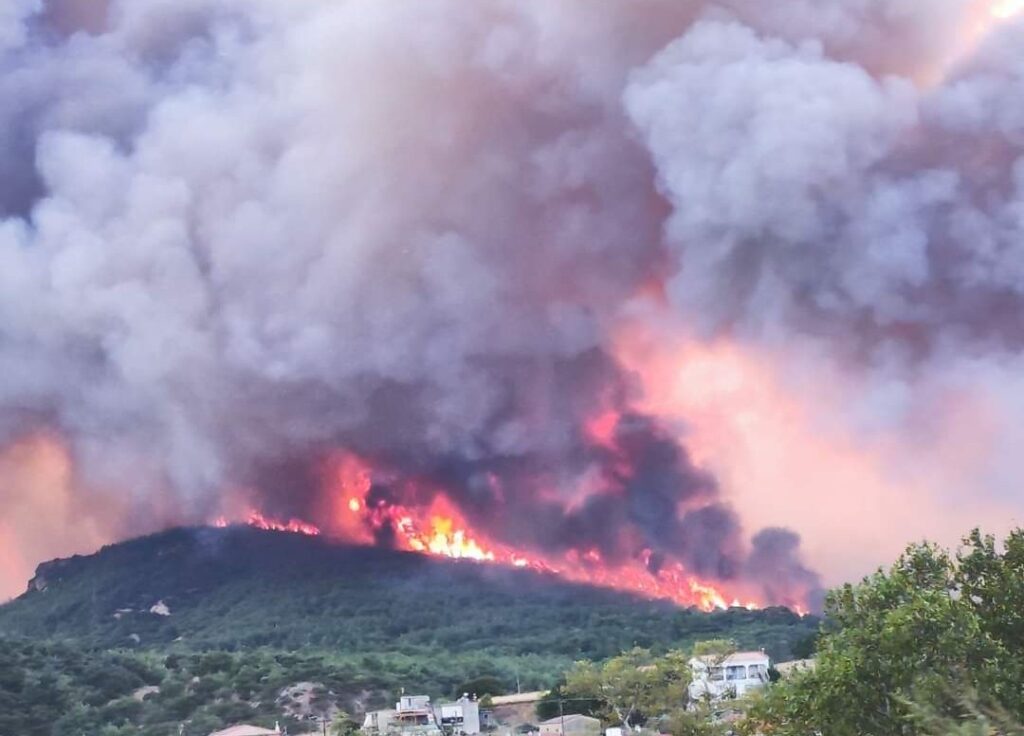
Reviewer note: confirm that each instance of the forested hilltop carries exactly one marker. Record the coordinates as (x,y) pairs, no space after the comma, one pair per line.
(241,588)
(223,620)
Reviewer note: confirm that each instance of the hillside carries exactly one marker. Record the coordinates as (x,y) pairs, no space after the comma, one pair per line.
(223,619)
(242,588)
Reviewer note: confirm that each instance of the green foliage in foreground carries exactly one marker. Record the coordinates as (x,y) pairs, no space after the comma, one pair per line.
(913,640)
(975,719)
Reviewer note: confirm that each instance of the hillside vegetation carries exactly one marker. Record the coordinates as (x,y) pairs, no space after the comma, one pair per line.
(243,588)
(222,620)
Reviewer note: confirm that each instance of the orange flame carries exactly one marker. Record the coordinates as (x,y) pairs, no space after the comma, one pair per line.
(446,536)
(259,521)
(441,530)
(438,529)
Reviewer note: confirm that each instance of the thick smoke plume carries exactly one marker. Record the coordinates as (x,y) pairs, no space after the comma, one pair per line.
(238,238)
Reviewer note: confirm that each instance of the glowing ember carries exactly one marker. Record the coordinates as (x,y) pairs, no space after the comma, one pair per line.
(295,526)
(259,521)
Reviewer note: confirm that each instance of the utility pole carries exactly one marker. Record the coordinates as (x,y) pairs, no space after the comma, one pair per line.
(561,718)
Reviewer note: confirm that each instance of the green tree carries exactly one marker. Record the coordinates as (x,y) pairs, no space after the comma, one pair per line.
(558,700)
(344,725)
(714,647)
(480,686)
(976,717)
(805,647)
(632,686)
(934,624)
(697,722)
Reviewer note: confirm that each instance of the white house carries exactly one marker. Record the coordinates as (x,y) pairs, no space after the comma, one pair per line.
(460,717)
(718,677)
(412,715)
(415,715)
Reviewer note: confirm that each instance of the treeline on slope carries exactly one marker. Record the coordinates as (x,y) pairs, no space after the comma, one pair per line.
(238,589)
(57,688)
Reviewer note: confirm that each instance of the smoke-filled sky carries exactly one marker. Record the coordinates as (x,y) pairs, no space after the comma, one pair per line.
(739,283)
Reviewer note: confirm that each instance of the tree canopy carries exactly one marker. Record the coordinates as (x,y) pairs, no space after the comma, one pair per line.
(909,640)
(634,685)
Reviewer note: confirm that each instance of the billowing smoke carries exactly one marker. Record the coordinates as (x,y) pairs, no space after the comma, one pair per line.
(812,195)
(238,237)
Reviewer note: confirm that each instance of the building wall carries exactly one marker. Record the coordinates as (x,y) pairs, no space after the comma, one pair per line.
(413,702)
(467,711)
(377,721)
(735,676)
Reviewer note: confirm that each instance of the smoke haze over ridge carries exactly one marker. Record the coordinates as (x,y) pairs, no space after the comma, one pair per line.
(777,243)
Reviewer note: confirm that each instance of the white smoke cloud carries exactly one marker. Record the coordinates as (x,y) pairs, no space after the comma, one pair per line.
(12,22)
(765,150)
(810,194)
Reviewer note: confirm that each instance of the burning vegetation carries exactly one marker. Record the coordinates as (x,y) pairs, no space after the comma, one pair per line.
(444,536)
(367,513)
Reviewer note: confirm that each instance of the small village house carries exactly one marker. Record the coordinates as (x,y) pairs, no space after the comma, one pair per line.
(717,677)
(415,714)
(460,717)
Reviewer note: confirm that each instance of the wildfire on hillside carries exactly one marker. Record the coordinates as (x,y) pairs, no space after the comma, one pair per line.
(439,529)
(259,521)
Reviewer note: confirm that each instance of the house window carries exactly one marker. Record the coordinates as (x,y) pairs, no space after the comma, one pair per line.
(716,674)
(736,672)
